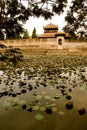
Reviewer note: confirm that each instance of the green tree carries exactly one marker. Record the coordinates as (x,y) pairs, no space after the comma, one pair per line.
(34,35)
(14,13)
(76,18)
(26,34)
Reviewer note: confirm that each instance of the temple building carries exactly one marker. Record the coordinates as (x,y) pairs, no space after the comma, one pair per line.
(51,34)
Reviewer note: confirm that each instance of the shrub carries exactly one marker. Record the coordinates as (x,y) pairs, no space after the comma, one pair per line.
(3,46)
(13,56)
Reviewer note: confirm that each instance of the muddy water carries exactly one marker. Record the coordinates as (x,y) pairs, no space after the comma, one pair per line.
(62,119)
(16,116)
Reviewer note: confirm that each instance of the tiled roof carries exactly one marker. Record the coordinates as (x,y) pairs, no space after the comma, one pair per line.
(51,35)
(47,35)
(50,26)
(60,34)
(51,31)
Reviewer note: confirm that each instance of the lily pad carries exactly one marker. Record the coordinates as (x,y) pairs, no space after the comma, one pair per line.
(68,97)
(14,95)
(15,106)
(35,108)
(61,113)
(6,104)
(9,99)
(47,97)
(24,91)
(82,111)
(33,103)
(54,109)
(69,105)
(48,111)
(29,109)
(42,108)
(39,96)
(21,102)
(57,96)
(39,117)
(24,106)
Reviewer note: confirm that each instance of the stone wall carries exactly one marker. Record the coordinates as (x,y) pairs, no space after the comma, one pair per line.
(74,44)
(32,43)
(43,43)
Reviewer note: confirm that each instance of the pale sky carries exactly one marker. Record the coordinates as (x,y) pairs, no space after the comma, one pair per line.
(38,23)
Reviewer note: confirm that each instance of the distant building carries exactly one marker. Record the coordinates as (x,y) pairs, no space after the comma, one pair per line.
(51,34)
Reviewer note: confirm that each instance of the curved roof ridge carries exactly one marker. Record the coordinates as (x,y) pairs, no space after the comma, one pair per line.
(50,25)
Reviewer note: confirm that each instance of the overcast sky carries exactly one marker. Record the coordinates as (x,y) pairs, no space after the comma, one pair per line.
(38,23)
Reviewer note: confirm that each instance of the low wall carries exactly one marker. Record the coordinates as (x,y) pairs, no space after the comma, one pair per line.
(73,44)
(32,43)
(59,52)
(42,43)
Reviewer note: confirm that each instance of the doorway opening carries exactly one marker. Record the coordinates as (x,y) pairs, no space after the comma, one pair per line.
(60,41)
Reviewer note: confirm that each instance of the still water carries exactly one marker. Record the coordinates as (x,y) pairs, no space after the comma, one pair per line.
(20,111)
(19,119)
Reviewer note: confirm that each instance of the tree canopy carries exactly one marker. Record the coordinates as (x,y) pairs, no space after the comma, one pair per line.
(26,34)
(34,35)
(76,18)
(14,13)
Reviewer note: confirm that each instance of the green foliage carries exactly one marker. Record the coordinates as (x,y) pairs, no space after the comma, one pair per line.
(14,13)
(34,35)
(12,16)
(3,46)
(26,35)
(14,36)
(13,56)
(2,57)
(76,19)
(1,35)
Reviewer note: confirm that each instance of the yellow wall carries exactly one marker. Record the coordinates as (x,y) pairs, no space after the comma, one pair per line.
(43,43)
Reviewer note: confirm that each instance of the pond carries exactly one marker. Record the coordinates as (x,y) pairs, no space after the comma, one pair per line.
(50,93)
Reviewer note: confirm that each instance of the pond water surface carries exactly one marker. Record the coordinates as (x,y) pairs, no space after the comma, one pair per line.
(33,100)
